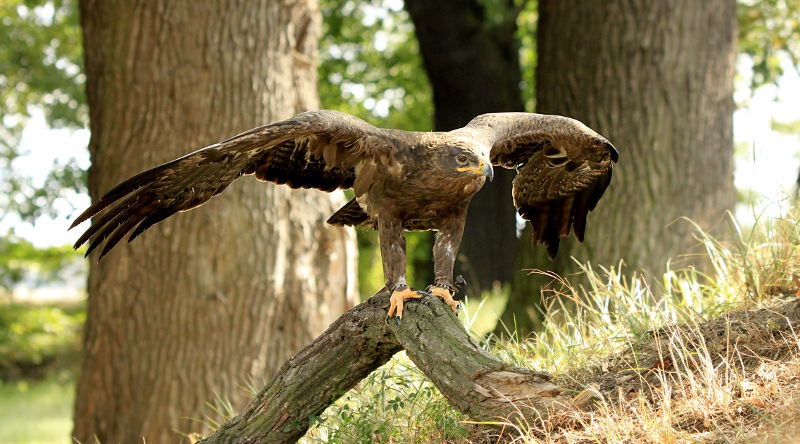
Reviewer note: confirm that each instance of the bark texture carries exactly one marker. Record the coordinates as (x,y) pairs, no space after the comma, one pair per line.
(656,78)
(473,66)
(172,320)
(360,341)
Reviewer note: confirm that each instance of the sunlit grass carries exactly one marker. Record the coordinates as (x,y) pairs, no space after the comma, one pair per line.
(395,403)
(39,351)
(36,412)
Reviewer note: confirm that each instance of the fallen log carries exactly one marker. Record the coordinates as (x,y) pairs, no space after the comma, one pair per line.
(361,340)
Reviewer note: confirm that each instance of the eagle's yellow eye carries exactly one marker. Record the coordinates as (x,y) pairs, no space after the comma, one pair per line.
(461,158)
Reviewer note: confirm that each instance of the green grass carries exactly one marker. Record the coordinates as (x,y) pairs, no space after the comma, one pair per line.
(36,412)
(39,351)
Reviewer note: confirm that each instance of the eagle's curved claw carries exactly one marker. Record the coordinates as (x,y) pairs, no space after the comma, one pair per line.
(446,296)
(399,296)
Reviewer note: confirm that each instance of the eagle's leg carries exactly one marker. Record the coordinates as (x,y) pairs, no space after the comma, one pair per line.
(393,255)
(445,249)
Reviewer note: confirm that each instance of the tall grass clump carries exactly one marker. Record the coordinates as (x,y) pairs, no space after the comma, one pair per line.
(677,359)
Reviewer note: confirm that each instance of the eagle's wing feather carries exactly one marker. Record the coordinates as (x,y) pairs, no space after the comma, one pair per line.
(316,149)
(563,168)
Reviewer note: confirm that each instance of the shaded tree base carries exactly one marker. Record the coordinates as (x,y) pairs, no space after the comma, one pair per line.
(361,340)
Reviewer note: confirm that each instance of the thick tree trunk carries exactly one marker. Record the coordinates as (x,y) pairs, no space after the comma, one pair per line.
(473,66)
(363,339)
(656,78)
(172,319)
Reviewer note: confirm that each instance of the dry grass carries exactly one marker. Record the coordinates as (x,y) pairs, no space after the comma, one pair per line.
(730,379)
(709,358)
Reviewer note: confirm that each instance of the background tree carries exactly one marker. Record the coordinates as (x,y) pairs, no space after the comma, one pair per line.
(471,55)
(659,85)
(228,291)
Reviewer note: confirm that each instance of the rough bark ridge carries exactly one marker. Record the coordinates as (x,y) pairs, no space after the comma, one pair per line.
(172,320)
(655,77)
(473,66)
(360,341)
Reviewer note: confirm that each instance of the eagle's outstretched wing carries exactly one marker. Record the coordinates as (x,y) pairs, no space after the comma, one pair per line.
(563,168)
(316,149)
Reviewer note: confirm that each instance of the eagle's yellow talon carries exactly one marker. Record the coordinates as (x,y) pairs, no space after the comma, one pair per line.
(446,297)
(398,298)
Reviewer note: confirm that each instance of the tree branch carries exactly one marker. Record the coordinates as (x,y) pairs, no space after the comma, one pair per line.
(361,340)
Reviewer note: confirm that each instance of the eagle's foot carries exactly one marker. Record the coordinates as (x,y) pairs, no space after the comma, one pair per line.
(446,296)
(399,296)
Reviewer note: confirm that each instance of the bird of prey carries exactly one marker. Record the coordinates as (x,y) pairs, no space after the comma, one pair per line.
(401,180)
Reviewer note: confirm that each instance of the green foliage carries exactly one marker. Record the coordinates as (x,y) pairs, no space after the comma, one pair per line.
(20,259)
(28,200)
(41,64)
(41,67)
(527,22)
(37,339)
(767,29)
(791,127)
(370,64)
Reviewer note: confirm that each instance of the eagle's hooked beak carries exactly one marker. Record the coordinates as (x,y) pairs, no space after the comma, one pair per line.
(484,169)
(487,170)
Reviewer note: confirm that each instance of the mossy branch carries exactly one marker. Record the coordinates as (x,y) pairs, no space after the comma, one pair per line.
(361,340)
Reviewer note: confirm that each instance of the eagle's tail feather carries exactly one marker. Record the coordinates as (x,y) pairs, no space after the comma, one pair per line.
(351,214)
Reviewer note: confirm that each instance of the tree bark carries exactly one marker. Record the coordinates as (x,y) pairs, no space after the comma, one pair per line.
(473,66)
(363,339)
(656,78)
(172,320)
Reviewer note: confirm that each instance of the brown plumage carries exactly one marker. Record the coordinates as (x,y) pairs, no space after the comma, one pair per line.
(402,180)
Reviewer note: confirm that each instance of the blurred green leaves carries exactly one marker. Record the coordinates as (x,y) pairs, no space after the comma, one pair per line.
(21,260)
(370,64)
(767,29)
(41,64)
(41,67)
(33,336)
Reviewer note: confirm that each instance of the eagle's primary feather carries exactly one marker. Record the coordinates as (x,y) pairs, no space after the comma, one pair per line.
(402,180)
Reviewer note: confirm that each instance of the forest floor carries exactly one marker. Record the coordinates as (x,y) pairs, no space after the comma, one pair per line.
(735,377)
(684,357)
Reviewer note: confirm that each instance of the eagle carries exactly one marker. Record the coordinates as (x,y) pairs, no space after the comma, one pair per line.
(401,180)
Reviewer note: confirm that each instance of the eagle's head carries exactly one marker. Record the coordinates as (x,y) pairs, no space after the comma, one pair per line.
(464,161)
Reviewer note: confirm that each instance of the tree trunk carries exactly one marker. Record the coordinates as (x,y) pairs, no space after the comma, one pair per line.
(172,319)
(659,84)
(656,78)
(363,339)
(473,66)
